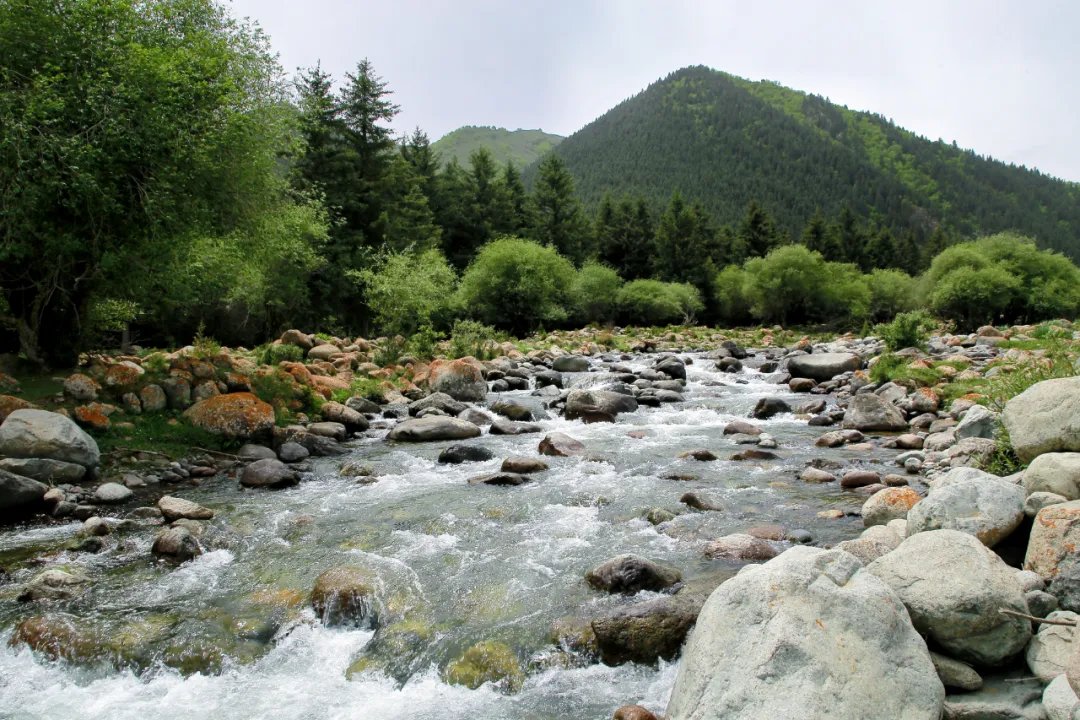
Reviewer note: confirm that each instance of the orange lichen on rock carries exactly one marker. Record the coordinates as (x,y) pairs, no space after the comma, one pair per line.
(236,415)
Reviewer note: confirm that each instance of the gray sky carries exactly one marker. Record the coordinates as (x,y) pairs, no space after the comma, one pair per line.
(997,76)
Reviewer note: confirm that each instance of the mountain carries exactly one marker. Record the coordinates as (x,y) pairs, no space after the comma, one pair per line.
(726,141)
(521,146)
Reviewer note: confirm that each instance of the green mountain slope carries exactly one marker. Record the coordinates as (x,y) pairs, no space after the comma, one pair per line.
(521,146)
(725,141)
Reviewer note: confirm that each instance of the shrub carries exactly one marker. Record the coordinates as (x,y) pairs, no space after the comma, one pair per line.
(470,338)
(594,291)
(409,291)
(794,285)
(518,285)
(973,297)
(389,352)
(906,330)
(733,302)
(423,342)
(205,346)
(891,292)
(651,302)
(276,353)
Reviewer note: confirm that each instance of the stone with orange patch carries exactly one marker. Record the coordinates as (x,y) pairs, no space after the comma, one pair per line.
(299,372)
(92,417)
(238,416)
(9,404)
(122,378)
(326,386)
(1055,539)
(889,504)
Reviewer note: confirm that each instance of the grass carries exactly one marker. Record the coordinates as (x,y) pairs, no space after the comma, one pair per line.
(38,387)
(156,434)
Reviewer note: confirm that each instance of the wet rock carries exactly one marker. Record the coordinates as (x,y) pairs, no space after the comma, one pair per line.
(112,494)
(739,427)
(177,543)
(291,452)
(55,584)
(859,478)
(18,493)
(631,574)
(741,547)
(955,674)
(813,475)
(823,366)
(838,438)
(767,407)
(698,501)
(174,508)
(499,478)
(585,403)
(457,454)
(474,416)
(858,630)
(1054,472)
(486,662)
(1045,418)
(870,413)
(633,712)
(512,410)
(986,507)
(58,636)
(570,363)
(31,433)
(255,452)
(1049,651)
(812,408)
(754,455)
(502,426)
(352,420)
(699,454)
(346,596)
(238,416)
(801,385)
(672,367)
(268,473)
(656,516)
(954,587)
(433,428)
(889,504)
(648,631)
(460,379)
(559,445)
(356,469)
(94,527)
(440,401)
(523,465)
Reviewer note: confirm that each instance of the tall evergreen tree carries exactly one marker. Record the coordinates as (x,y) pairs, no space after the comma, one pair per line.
(685,246)
(424,161)
(937,242)
(560,221)
(407,222)
(758,231)
(908,255)
(453,214)
(849,237)
(626,238)
(881,251)
(517,215)
(816,237)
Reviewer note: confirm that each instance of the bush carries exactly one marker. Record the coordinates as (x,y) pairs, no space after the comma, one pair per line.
(794,285)
(276,353)
(423,343)
(906,330)
(1005,278)
(471,338)
(409,291)
(518,285)
(651,302)
(732,299)
(891,293)
(594,291)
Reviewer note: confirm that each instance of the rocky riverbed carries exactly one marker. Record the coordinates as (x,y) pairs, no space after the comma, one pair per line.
(536,536)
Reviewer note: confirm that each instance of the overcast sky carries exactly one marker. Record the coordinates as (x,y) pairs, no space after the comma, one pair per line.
(997,76)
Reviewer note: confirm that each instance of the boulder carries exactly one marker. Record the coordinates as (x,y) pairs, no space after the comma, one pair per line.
(81,388)
(741,547)
(549,377)
(816,475)
(823,366)
(502,426)
(297,338)
(255,452)
(739,427)
(362,405)
(889,504)
(523,465)
(1049,651)
(346,596)
(236,416)
(432,428)
(631,574)
(647,631)
(1051,551)
(1045,418)
(557,444)
(112,494)
(269,473)
(767,407)
(954,587)
(41,434)
(323,352)
(672,367)
(486,662)
(870,413)
(809,634)
(177,393)
(291,452)
(988,508)
(439,400)
(9,404)
(570,363)
(582,403)
(633,712)
(457,454)
(54,472)
(333,430)
(460,379)
(353,420)
(978,422)
(1036,501)
(1054,472)
(177,543)
(513,410)
(174,508)
(1059,701)
(55,584)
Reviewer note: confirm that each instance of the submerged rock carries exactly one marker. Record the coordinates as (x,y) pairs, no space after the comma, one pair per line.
(55,584)
(346,596)
(174,508)
(486,662)
(648,631)
(177,543)
(631,574)
(559,445)
(457,454)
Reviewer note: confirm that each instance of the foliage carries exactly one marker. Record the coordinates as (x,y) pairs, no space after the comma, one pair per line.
(423,342)
(160,432)
(389,352)
(517,284)
(560,220)
(651,302)
(471,339)
(594,292)
(520,147)
(204,345)
(276,353)
(891,292)
(409,291)
(907,330)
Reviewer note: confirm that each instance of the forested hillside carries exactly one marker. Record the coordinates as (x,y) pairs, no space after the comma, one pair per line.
(520,146)
(725,141)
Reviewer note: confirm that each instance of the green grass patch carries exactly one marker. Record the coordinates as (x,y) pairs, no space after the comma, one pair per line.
(156,434)
(38,387)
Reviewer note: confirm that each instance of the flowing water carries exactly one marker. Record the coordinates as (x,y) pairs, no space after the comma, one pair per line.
(229,636)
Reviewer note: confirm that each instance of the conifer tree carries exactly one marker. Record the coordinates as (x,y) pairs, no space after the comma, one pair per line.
(560,220)
(758,231)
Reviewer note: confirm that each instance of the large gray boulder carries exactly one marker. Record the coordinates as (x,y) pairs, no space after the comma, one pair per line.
(868,412)
(588,403)
(570,363)
(1049,651)
(978,422)
(45,470)
(19,493)
(1051,551)
(1057,473)
(809,635)
(43,434)
(432,428)
(987,507)
(1045,418)
(823,366)
(954,588)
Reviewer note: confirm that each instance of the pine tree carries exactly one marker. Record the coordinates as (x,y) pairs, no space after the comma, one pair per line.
(560,221)
(908,256)
(849,237)
(881,251)
(453,214)
(407,222)
(424,161)
(685,246)
(937,242)
(816,237)
(758,231)
(517,216)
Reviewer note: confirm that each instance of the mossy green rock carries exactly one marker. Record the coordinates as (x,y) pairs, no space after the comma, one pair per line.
(486,662)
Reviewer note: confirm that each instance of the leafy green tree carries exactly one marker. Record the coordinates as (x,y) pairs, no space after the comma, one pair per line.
(594,291)
(129,130)
(518,285)
(655,303)
(560,221)
(891,292)
(794,285)
(758,231)
(407,291)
